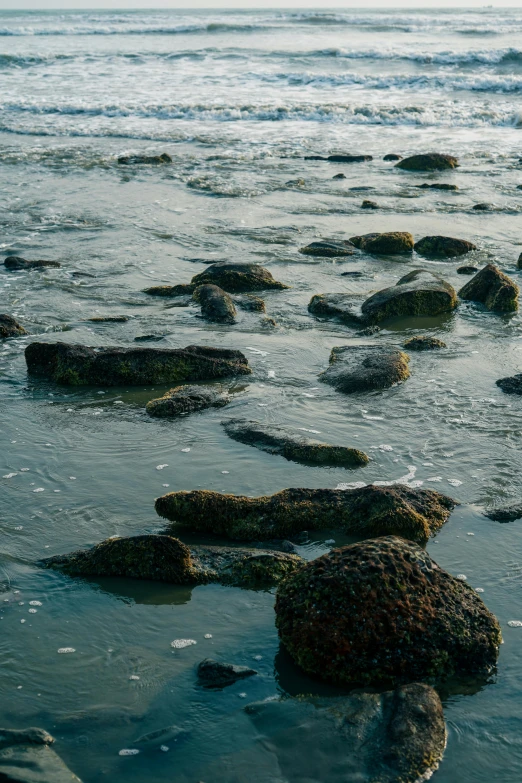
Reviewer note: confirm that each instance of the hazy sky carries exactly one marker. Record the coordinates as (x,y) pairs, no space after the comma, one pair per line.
(223,4)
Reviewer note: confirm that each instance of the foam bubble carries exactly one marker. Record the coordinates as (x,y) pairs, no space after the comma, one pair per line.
(66,650)
(128,752)
(179,644)
(515,623)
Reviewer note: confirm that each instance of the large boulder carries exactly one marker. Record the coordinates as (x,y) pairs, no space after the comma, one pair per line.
(493,289)
(77,365)
(155,160)
(9,327)
(417,293)
(382,611)
(392,737)
(443,247)
(432,161)
(238,277)
(345,307)
(283,441)
(186,399)
(26,756)
(328,249)
(390,243)
(511,385)
(216,304)
(357,368)
(367,512)
(16,262)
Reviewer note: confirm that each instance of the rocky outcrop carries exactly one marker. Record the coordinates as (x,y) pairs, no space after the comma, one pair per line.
(506,513)
(127,160)
(329,249)
(9,327)
(424,344)
(288,444)
(390,243)
(493,289)
(357,368)
(216,304)
(15,262)
(443,247)
(163,558)
(437,186)
(26,756)
(345,307)
(214,674)
(186,399)
(432,161)
(519,262)
(341,158)
(382,611)
(511,385)
(368,511)
(78,365)
(419,293)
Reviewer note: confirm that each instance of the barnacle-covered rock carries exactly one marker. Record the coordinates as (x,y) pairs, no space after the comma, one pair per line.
(389,243)
(186,399)
(432,161)
(493,289)
(417,293)
(443,247)
(356,368)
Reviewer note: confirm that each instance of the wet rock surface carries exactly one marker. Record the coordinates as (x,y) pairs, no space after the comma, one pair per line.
(345,307)
(390,243)
(250,303)
(437,186)
(328,249)
(467,270)
(424,344)
(341,158)
(431,161)
(287,443)
(392,156)
(76,365)
(511,385)
(443,247)
(9,327)
(186,399)
(26,756)
(216,304)
(367,511)
(182,290)
(16,262)
(492,288)
(383,612)
(506,513)
(238,277)
(355,368)
(419,293)
(127,160)
(214,674)
(367,204)
(109,319)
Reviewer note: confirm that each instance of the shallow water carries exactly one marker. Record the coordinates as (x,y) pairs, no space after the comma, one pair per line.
(237,100)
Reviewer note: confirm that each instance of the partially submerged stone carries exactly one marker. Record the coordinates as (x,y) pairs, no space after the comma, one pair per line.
(216,304)
(467,270)
(419,293)
(432,161)
(186,399)
(109,319)
(424,344)
(519,262)
(26,756)
(367,512)
(9,327)
(238,277)
(153,740)
(511,385)
(506,513)
(250,303)
(296,183)
(357,368)
(339,176)
(15,262)
(392,156)
(482,207)
(127,160)
(341,158)
(367,204)
(493,289)
(183,289)
(215,674)
(443,247)
(345,307)
(329,249)
(292,446)
(77,365)
(390,243)
(437,186)
(383,612)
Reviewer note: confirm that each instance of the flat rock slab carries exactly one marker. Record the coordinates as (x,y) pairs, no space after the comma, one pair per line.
(443,247)
(511,385)
(214,674)
(26,757)
(328,249)
(15,262)
(393,737)
(216,304)
(186,399)
(9,327)
(419,293)
(432,161)
(389,243)
(357,368)
(415,514)
(344,307)
(288,444)
(77,365)
(493,289)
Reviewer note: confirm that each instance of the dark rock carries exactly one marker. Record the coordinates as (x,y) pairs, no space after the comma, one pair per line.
(493,289)
(268,323)
(165,736)
(432,161)
(385,244)
(467,270)
(438,186)
(15,262)
(354,273)
(358,368)
(250,303)
(341,158)
(519,262)
(288,444)
(170,290)
(380,612)
(482,207)
(149,338)
(369,205)
(443,247)
(77,365)
(26,757)
(392,156)
(214,674)
(506,513)
(512,385)
(237,277)
(417,293)
(361,189)
(9,327)
(329,249)
(369,331)
(125,160)
(368,511)
(109,319)
(392,737)
(295,183)
(424,344)
(345,307)
(339,176)
(216,304)
(186,399)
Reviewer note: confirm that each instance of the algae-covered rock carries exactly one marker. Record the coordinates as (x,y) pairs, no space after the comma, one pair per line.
(467,270)
(506,513)
(15,262)
(419,293)
(432,161)
(493,289)
(26,756)
(127,160)
(216,304)
(367,204)
(424,344)
(382,611)
(390,243)
(392,737)
(437,186)
(215,674)
(443,247)
(367,511)
(288,444)
(328,249)
(77,365)
(392,156)
(345,307)
(238,277)
(186,399)
(511,385)
(341,158)
(9,327)
(356,368)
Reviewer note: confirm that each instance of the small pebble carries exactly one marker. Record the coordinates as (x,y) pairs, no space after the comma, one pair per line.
(134,677)
(479,589)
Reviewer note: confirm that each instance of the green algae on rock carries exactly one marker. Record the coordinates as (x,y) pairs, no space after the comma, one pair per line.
(356,368)
(431,161)
(15,262)
(345,307)
(77,365)
(186,399)
(288,444)
(9,327)
(389,243)
(216,304)
(422,343)
(382,611)
(328,249)
(368,511)
(26,756)
(417,293)
(493,289)
(443,247)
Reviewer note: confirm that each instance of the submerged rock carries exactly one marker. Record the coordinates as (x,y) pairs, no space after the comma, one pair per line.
(392,737)
(382,611)
(345,307)
(493,289)
(512,385)
(443,247)
(419,293)
(154,739)
(467,270)
(238,277)
(329,249)
(389,243)
(392,156)
(341,158)
(283,441)
(77,365)
(15,262)
(424,344)
(368,511)
(506,513)
(125,160)
(432,161)
(216,304)
(163,558)
(295,183)
(369,204)
(438,186)
(250,303)
(9,327)
(214,674)
(356,368)
(26,756)
(186,399)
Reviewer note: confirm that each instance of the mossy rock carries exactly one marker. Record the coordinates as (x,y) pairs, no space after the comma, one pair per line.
(328,249)
(9,327)
(424,344)
(216,304)
(390,243)
(238,277)
(419,293)
(154,160)
(443,247)
(382,612)
(493,289)
(368,511)
(358,368)
(16,262)
(344,307)
(186,399)
(511,385)
(432,161)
